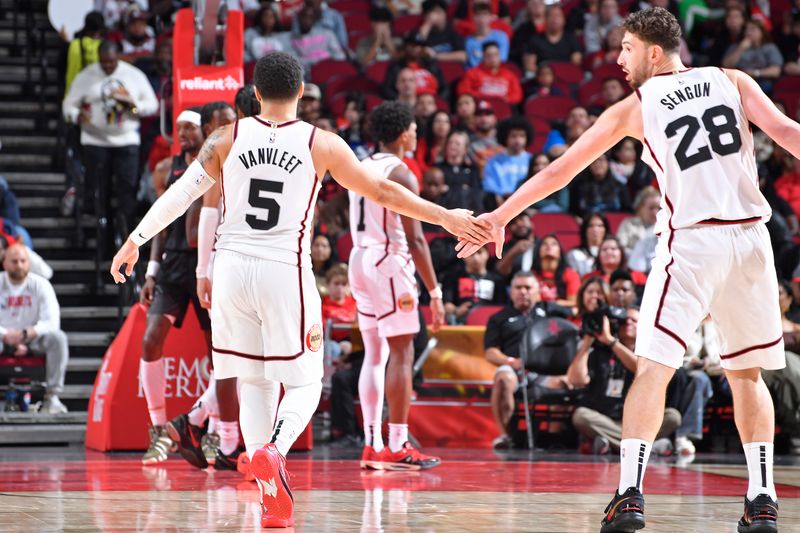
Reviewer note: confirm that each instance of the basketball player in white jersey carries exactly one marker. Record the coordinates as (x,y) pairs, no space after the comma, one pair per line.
(385,290)
(713,256)
(266,313)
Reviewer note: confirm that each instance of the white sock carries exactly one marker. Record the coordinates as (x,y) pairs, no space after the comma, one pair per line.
(759,465)
(205,404)
(153,378)
(256,398)
(633,456)
(294,414)
(371,385)
(213,424)
(373,435)
(398,435)
(228,436)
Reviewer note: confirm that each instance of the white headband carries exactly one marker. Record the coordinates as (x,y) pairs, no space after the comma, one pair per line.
(193,117)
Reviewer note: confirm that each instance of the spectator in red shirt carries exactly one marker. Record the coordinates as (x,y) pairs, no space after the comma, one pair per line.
(611,257)
(558,283)
(491,79)
(339,305)
(427,74)
(788,185)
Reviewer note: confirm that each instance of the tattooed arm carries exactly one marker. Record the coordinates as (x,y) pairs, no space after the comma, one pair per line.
(215,150)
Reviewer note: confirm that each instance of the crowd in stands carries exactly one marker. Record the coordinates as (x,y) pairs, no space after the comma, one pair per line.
(499,90)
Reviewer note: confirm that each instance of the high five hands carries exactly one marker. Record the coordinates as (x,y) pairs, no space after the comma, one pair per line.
(496,234)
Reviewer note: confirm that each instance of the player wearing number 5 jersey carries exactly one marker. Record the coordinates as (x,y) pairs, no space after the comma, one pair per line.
(266,316)
(713,255)
(386,250)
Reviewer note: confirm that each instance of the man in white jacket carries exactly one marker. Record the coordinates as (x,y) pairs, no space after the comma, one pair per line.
(108,99)
(30,321)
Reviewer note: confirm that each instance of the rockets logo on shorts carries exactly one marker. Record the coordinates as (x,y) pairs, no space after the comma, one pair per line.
(405,303)
(314,338)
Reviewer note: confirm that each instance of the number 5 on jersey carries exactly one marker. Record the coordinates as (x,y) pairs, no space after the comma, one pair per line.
(260,202)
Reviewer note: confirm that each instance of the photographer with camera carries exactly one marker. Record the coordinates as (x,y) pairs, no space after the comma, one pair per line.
(605,365)
(501,342)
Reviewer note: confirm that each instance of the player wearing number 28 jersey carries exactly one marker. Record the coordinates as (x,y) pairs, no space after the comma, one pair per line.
(265,311)
(713,256)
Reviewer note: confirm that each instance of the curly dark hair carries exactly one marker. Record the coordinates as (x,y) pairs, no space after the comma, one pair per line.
(278,76)
(247,105)
(207,111)
(514,123)
(389,120)
(655,26)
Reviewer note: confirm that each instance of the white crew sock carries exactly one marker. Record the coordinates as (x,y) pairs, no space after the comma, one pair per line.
(398,435)
(633,456)
(153,378)
(759,457)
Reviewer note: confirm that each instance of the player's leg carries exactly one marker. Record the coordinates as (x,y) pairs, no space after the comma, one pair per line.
(502,402)
(748,315)
(686,270)
(152,377)
(399,388)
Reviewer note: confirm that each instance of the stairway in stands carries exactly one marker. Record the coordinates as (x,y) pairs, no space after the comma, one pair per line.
(28,160)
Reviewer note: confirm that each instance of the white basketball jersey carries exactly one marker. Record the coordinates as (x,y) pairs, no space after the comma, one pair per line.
(269,187)
(372,225)
(698,142)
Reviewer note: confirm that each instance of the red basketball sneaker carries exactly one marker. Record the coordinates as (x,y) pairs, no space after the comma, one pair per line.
(372,460)
(243,467)
(408,458)
(277,503)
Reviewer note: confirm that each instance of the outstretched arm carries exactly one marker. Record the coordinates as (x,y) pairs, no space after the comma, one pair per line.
(333,155)
(761,111)
(197,179)
(620,120)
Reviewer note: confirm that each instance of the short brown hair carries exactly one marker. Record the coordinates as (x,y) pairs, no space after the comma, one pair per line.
(655,26)
(336,271)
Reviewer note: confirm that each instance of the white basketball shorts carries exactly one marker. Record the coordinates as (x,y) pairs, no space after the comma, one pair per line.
(726,271)
(385,292)
(266,320)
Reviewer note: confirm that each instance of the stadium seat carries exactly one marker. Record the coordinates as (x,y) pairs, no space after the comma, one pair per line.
(339,102)
(427,315)
(787,84)
(328,68)
(353,38)
(406,23)
(480,315)
(589,92)
(346,84)
(502,109)
(451,71)
(377,71)
(608,70)
(569,240)
(345,7)
(567,72)
(549,107)
(547,223)
(442,104)
(615,219)
(344,245)
(359,21)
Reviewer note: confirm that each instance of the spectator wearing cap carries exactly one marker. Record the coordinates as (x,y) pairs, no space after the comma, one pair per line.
(265,36)
(492,79)
(139,38)
(310,106)
(312,43)
(380,46)
(484,34)
(504,172)
(325,18)
(442,42)
(428,76)
(554,44)
(483,143)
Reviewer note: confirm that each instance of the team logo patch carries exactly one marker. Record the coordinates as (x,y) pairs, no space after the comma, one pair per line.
(314,338)
(405,303)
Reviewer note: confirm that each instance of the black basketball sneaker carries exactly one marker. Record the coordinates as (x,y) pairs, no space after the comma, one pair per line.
(187,437)
(625,513)
(227,462)
(760,515)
